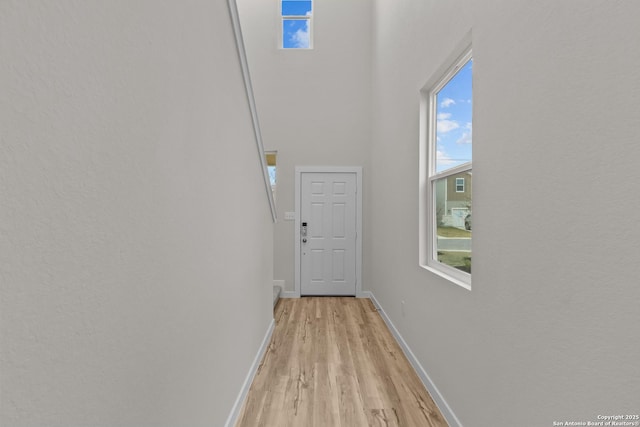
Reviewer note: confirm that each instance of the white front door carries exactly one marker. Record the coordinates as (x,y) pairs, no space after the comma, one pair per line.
(328,213)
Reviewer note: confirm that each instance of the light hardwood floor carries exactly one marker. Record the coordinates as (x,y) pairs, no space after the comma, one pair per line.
(333,362)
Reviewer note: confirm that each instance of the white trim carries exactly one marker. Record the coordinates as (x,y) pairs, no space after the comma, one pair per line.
(364,294)
(278,286)
(244,390)
(242,56)
(298,200)
(289,294)
(447,275)
(437,397)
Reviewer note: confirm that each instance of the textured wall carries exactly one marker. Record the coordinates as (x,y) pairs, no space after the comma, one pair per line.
(135,237)
(314,105)
(549,331)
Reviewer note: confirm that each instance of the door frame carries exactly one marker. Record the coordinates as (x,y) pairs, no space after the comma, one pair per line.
(357,170)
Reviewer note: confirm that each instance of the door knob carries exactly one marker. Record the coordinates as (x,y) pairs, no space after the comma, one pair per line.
(304,240)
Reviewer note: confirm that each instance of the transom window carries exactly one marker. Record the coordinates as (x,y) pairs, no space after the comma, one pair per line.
(296,24)
(446,205)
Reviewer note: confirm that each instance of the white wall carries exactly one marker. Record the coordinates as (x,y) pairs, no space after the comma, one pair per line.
(549,331)
(135,235)
(314,105)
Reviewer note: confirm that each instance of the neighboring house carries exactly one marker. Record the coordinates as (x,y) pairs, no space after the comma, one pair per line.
(453,199)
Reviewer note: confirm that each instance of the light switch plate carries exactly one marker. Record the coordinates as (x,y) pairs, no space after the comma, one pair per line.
(289,216)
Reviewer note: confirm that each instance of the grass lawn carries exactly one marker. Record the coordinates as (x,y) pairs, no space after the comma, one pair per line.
(459,260)
(453,232)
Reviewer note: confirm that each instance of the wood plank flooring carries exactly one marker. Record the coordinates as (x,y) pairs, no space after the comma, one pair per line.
(333,362)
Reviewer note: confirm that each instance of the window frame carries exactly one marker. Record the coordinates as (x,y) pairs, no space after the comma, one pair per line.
(428,174)
(284,18)
(459,185)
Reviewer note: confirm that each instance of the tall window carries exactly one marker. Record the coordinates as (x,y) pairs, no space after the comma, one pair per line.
(296,24)
(447,172)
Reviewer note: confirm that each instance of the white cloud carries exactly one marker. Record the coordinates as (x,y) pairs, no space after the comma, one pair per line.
(443,159)
(300,38)
(444,116)
(447,102)
(444,126)
(466,136)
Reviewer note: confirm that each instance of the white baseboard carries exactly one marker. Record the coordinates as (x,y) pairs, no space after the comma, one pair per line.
(237,406)
(446,411)
(289,294)
(364,294)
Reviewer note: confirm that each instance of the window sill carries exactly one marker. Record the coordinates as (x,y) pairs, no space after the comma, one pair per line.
(462,283)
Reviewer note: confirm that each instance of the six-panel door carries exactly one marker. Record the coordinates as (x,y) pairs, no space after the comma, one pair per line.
(328,256)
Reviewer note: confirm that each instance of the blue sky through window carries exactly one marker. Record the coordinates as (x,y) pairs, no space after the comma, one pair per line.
(272,174)
(453,115)
(296,8)
(295,32)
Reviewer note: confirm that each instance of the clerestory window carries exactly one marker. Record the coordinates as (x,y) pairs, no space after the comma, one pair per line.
(296,24)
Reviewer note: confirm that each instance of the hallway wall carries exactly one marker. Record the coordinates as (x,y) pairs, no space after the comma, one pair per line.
(314,105)
(548,332)
(136,247)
